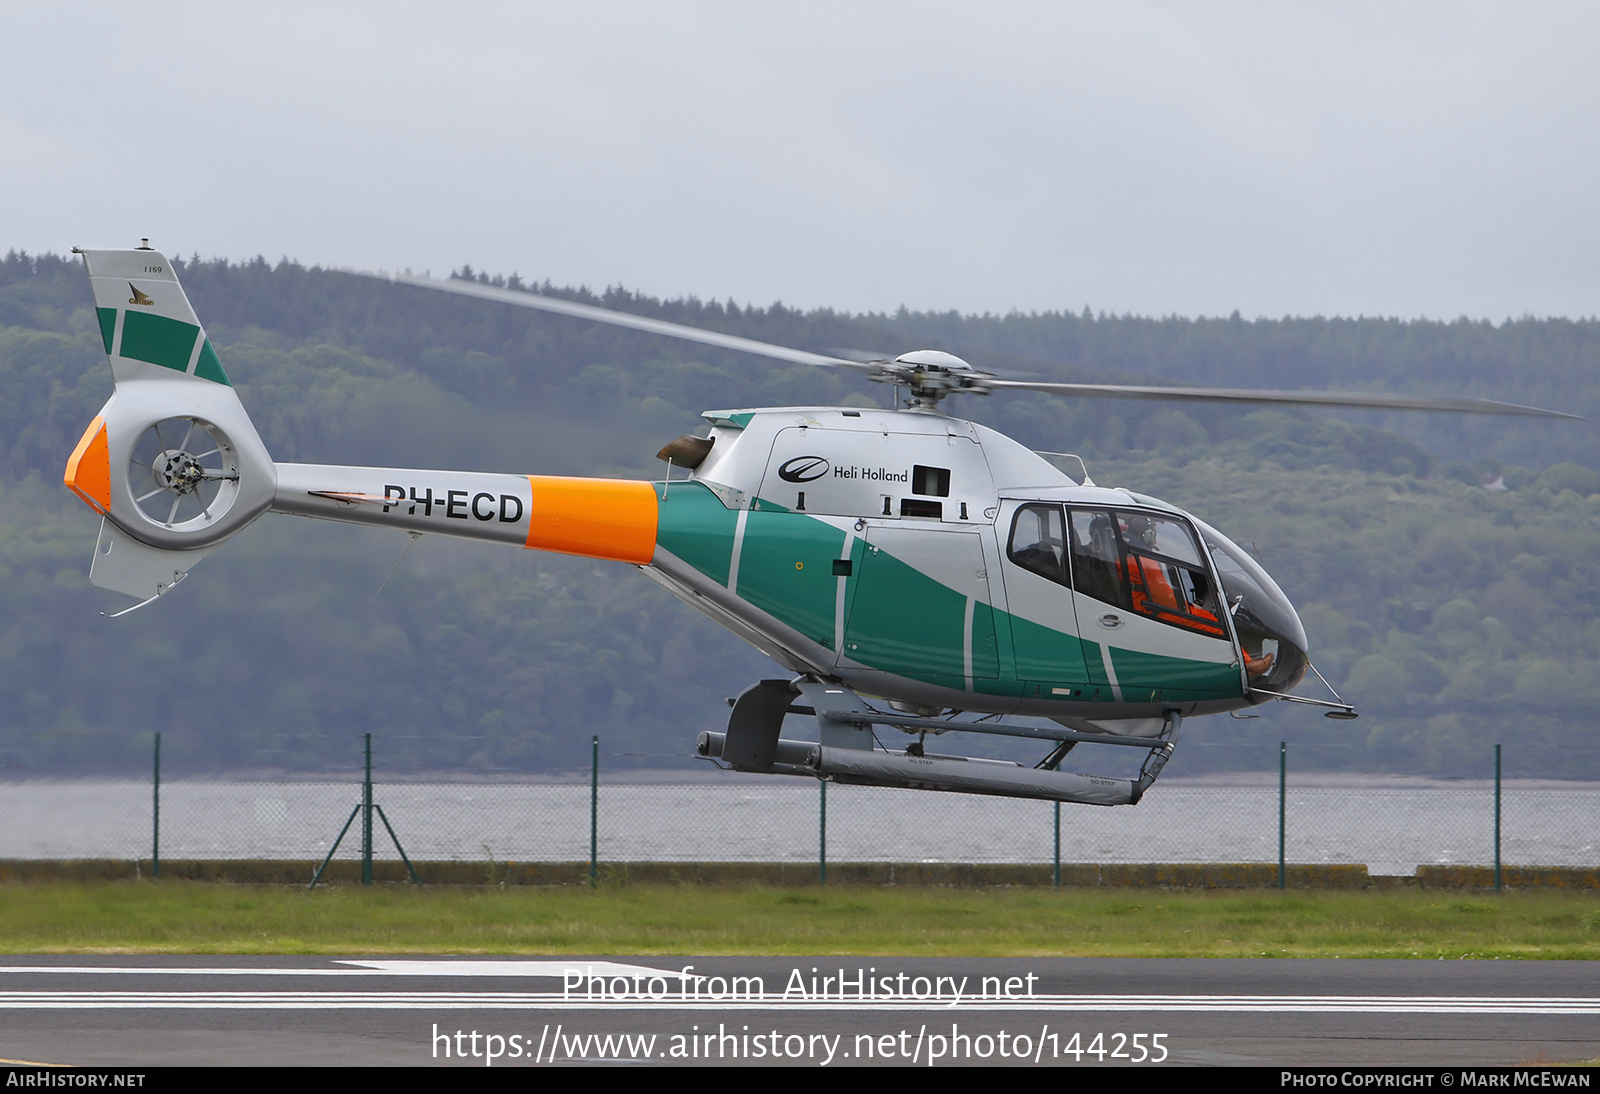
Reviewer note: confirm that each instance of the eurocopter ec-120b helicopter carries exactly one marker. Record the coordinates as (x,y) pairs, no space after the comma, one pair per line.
(909,569)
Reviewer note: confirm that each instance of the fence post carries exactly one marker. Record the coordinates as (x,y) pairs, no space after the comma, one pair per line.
(1058,844)
(155,816)
(822,832)
(1497,818)
(594,811)
(1283,772)
(366,818)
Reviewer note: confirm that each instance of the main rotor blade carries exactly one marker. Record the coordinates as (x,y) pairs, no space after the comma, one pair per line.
(615,318)
(1364,400)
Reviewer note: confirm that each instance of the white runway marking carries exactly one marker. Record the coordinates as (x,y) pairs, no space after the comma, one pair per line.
(404,967)
(675,1000)
(675,994)
(368,968)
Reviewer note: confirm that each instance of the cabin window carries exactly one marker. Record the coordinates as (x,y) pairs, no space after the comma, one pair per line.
(932,481)
(1038,541)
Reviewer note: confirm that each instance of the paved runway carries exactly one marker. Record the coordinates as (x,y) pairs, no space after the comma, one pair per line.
(519,1012)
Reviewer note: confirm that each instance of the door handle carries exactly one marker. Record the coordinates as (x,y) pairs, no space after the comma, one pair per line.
(1111,620)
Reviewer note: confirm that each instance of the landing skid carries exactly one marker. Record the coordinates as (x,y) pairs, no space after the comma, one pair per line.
(848,752)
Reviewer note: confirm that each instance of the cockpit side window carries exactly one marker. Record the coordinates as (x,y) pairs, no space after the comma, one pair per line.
(1038,541)
(1146,562)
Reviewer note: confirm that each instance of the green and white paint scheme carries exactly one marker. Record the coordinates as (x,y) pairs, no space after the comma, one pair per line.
(897,555)
(929,610)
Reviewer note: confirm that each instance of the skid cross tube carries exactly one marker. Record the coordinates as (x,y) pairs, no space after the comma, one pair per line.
(1159,755)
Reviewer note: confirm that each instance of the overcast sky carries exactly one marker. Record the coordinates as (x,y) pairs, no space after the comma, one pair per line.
(1414,160)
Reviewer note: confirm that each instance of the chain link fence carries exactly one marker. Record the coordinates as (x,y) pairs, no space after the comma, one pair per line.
(1389,824)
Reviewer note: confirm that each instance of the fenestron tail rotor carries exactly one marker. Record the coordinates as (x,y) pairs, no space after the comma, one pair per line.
(178,472)
(930,375)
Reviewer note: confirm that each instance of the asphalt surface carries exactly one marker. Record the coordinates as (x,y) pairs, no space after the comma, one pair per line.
(119,1011)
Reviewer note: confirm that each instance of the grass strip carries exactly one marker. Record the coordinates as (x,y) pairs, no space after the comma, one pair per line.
(198,917)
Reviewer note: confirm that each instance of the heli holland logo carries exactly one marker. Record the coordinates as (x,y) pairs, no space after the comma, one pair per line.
(140,298)
(803,469)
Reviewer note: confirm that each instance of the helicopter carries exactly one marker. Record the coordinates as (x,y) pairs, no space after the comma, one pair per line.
(908,569)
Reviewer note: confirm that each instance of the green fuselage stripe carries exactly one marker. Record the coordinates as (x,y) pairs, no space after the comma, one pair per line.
(1147,677)
(1047,659)
(696,527)
(786,570)
(904,622)
(901,621)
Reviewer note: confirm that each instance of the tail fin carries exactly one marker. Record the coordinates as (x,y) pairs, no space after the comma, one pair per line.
(172,462)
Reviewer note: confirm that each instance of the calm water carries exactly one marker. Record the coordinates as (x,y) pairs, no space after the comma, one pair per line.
(1390,825)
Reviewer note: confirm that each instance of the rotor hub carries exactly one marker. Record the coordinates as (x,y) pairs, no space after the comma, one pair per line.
(930,375)
(178,471)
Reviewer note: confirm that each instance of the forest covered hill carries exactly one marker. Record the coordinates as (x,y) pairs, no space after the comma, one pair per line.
(1453,616)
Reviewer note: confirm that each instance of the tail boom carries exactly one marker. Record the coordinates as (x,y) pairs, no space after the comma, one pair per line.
(174,466)
(596,518)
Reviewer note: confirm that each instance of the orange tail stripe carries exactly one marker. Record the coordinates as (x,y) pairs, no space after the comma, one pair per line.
(89,468)
(596,518)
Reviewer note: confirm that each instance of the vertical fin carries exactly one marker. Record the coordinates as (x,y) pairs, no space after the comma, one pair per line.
(146,322)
